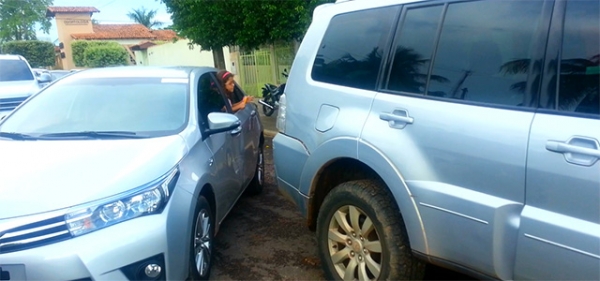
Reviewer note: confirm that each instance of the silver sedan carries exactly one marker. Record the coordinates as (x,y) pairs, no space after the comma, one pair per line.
(123,174)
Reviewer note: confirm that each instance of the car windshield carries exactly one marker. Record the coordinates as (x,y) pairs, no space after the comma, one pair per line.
(58,74)
(14,70)
(140,106)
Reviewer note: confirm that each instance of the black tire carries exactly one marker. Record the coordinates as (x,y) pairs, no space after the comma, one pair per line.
(257,183)
(266,110)
(203,210)
(372,201)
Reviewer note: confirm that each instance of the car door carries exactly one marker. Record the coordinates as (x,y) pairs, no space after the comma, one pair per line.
(559,237)
(224,146)
(236,144)
(250,136)
(454,119)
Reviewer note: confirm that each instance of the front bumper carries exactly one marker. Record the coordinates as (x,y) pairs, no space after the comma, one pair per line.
(107,254)
(289,157)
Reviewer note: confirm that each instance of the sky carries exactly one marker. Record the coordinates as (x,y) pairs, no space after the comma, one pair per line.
(111,12)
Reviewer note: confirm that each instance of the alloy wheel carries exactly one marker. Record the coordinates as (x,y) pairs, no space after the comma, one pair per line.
(260,174)
(354,245)
(202,243)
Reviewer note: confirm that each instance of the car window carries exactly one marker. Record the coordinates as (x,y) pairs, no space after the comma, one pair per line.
(209,98)
(414,49)
(580,60)
(148,106)
(14,70)
(484,50)
(58,74)
(352,48)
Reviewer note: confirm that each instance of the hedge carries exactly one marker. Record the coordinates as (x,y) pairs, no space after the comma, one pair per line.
(37,53)
(101,56)
(78,48)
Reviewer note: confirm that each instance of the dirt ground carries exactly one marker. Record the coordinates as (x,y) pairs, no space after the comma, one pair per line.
(265,238)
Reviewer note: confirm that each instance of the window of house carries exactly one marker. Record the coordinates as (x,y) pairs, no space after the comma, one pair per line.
(352,48)
(413,51)
(580,58)
(484,51)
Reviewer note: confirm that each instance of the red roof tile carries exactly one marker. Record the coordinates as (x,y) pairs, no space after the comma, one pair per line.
(142,46)
(51,11)
(116,31)
(164,35)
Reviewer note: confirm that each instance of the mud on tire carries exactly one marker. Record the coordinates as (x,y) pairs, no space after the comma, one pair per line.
(360,232)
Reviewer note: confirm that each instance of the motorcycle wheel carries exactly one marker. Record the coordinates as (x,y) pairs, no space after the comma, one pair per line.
(266,110)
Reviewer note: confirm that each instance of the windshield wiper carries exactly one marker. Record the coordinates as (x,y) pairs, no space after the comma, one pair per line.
(17,136)
(95,134)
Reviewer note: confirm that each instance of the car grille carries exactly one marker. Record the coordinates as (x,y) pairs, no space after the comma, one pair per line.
(11,103)
(34,235)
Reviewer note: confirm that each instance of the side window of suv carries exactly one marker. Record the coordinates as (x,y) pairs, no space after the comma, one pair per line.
(580,58)
(484,51)
(352,48)
(414,49)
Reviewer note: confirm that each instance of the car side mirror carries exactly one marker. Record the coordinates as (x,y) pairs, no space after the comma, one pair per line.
(219,122)
(44,78)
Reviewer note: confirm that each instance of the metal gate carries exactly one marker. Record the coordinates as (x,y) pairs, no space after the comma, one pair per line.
(265,65)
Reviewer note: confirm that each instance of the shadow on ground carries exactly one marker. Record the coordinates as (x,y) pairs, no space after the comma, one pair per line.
(265,238)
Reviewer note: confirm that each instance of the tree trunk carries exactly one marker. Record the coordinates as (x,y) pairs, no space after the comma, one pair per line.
(219,58)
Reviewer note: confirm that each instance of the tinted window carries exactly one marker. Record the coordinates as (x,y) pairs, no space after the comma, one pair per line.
(580,60)
(209,98)
(14,70)
(149,106)
(351,50)
(413,51)
(58,74)
(484,51)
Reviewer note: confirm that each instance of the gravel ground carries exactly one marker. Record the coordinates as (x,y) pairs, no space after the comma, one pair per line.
(265,238)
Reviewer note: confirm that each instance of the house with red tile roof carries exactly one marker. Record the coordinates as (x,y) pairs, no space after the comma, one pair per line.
(75,23)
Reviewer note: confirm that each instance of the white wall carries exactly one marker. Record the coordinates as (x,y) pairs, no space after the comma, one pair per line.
(179,53)
(128,41)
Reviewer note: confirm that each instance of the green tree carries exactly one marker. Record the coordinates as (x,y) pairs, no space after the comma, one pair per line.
(245,23)
(144,17)
(18,19)
(37,53)
(80,47)
(103,56)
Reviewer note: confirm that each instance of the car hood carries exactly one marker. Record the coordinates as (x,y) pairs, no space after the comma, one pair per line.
(43,176)
(18,88)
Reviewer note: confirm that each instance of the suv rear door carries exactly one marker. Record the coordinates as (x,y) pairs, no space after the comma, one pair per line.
(453,116)
(559,236)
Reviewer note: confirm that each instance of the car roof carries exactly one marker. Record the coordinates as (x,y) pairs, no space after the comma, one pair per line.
(141,71)
(11,57)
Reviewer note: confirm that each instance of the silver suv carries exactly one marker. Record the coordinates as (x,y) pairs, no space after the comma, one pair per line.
(17,82)
(460,133)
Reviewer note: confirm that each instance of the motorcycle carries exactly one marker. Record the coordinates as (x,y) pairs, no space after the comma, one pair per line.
(271,94)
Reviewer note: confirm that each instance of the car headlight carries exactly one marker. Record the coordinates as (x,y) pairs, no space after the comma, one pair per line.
(280,123)
(150,199)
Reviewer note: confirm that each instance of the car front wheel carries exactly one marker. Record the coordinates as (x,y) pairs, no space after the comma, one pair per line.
(361,235)
(202,241)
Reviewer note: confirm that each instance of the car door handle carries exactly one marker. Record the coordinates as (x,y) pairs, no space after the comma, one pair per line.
(561,147)
(398,119)
(575,152)
(236,131)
